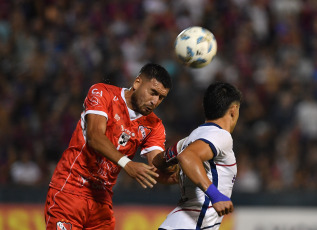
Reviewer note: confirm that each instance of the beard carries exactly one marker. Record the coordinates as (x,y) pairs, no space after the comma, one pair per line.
(136,107)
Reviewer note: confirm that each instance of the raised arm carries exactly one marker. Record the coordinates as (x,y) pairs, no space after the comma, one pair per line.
(97,140)
(191,161)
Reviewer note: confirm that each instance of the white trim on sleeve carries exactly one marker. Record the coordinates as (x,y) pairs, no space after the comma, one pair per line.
(97,112)
(147,150)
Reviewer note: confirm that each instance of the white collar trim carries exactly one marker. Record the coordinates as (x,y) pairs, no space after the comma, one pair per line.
(132,114)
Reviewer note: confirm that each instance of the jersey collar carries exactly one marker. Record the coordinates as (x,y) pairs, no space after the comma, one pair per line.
(132,114)
(211,124)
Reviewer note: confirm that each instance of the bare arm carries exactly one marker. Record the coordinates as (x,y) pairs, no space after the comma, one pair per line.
(168,172)
(167,160)
(97,140)
(191,161)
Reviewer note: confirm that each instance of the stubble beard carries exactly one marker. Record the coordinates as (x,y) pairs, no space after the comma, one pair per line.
(135,106)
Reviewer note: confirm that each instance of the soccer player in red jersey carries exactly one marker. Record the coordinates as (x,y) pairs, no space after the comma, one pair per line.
(114,124)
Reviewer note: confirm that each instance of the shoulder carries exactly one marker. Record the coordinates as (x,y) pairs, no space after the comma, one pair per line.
(104,90)
(213,134)
(110,88)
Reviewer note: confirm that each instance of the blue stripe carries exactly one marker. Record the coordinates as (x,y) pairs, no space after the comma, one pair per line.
(214,172)
(211,226)
(202,213)
(211,145)
(211,124)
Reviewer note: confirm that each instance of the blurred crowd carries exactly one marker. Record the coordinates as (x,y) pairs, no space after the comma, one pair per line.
(52,51)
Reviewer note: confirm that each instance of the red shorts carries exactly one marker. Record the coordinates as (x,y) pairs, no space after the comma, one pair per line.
(65,211)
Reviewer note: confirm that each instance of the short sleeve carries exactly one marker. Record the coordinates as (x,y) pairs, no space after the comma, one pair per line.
(155,141)
(219,143)
(97,100)
(222,143)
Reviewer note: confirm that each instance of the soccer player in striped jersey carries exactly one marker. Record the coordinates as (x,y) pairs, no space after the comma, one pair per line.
(207,163)
(115,122)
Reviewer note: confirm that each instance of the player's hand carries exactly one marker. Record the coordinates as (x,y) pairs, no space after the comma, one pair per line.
(169,175)
(223,207)
(143,173)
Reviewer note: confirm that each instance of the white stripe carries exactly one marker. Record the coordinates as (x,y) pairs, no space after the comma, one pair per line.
(70,172)
(150,149)
(96,112)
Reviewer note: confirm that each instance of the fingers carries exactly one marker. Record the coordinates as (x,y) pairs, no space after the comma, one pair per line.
(148,181)
(144,174)
(152,171)
(140,182)
(223,208)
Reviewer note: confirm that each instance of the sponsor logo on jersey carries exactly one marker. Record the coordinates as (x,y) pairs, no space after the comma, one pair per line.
(115,98)
(63,226)
(92,100)
(97,92)
(144,131)
(123,139)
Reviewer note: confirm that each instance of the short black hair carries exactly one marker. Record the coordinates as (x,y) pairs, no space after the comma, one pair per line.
(218,98)
(158,72)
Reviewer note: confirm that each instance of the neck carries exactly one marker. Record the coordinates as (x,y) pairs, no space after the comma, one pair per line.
(223,122)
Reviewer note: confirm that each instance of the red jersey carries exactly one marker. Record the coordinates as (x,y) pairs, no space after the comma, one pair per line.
(84,172)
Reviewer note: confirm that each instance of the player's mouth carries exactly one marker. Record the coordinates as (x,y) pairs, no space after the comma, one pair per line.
(148,109)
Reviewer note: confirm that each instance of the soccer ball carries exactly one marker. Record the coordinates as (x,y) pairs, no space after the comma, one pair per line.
(195,47)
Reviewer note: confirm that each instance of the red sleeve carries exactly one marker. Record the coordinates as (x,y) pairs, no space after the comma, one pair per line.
(155,141)
(97,100)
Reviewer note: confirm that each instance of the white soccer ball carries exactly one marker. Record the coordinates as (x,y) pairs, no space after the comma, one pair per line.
(195,47)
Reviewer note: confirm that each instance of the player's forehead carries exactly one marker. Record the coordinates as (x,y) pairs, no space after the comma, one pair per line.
(154,85)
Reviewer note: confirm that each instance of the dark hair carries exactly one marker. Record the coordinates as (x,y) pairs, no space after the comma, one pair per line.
(158,72)
(218,98)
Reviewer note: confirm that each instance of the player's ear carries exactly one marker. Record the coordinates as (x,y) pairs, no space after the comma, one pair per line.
(137,82)
(233,110)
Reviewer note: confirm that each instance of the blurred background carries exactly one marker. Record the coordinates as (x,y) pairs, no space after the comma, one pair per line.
(52,51)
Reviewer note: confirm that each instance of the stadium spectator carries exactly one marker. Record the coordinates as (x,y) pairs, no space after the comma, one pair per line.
(272,64)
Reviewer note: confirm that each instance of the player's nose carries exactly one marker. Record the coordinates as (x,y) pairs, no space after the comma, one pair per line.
(154,101)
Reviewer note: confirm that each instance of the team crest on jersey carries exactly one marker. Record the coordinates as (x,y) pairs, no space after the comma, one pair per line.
(144,131)
(63,226)
(123,139)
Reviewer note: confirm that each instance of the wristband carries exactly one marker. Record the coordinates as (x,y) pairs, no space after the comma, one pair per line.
(214,195)
(123,161)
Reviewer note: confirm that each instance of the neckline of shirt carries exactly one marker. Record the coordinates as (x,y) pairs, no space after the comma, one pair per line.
(132,114)
(211,124)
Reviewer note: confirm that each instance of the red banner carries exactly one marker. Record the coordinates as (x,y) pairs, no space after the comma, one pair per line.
(128,217)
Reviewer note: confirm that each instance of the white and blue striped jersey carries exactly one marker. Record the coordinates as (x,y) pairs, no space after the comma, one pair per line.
(195,210)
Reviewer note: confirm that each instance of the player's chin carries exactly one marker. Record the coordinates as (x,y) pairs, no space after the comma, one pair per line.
(146,112)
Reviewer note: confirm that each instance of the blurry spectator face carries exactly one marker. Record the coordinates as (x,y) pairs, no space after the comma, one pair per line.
(147,95)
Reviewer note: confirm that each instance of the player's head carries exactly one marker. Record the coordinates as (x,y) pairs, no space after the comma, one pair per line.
(151,70)
(222,99)
(150,87)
